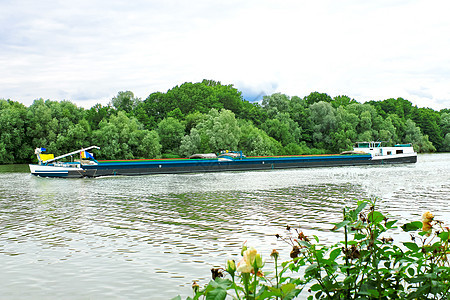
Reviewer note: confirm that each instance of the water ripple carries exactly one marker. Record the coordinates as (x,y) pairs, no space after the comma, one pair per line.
(131,237)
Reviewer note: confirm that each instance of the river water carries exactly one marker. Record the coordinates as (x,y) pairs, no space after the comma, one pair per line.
(149,237)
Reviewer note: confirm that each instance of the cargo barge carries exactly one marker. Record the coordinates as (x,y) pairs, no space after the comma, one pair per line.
(364,153)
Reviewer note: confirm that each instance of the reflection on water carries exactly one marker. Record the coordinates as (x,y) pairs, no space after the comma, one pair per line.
(131,237)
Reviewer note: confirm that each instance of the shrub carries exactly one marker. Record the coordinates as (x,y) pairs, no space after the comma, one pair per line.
(367,264)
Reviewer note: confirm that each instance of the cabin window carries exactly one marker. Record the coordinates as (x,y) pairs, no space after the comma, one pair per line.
(389,153)
(399,151)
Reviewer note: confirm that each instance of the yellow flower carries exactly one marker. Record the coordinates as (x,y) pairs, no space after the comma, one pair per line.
(231,266)
(251,258)
(427,218)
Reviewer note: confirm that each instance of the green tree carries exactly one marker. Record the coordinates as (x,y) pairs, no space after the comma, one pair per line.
(323,117)
(289,125)
(193,119)
(275,104)
(51,124)
(446,143)
(316,97)
(297,149)
(256,142)
(400,127)
(96,114)
(345,135)
(370,122)
(230,98)
(365,127)
(300,114)
(219,131)
(342,101)
(42,128)
(197,97)
(445,123)
(145,144)
(283,129)
(14,145)
(253,112)
(147,112)
(192,144)
(170,132)
(189,97)
(78,136)
(427,120)
(388,131)
(125,101)
(124,138)
(400,107)
(176,114)
(415,136)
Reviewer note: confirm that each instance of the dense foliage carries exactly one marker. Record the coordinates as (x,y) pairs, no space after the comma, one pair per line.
(367,264)
(210,117)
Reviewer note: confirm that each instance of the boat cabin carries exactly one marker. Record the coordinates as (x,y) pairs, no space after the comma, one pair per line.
(376,149)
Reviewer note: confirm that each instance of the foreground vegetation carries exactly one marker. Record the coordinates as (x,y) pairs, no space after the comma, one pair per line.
(209,117)
(366,264)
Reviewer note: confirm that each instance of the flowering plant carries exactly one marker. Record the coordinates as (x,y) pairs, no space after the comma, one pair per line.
(367,264)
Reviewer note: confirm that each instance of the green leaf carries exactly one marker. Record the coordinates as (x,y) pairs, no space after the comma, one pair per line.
(316,287)
(389,224)
(369,289)
(360,207)
(335,253)
(340,225)
(418,279)
(411,246)
(292,294)
(304,243)
(311,267)
(272,291)
(286,288)
(416,225)
(444,236)
(359,236)
(176,298)
(375,217)
(411,271)
(221,283)
(217,294)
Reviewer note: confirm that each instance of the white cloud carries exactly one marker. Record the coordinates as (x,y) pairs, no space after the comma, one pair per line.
(88,51)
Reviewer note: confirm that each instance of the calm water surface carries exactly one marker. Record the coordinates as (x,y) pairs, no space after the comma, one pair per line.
(148,237)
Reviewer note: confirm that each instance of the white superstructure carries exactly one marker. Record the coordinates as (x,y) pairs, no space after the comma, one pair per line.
(379,152)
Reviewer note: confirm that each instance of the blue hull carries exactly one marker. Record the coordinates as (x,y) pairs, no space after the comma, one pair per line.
(214,165)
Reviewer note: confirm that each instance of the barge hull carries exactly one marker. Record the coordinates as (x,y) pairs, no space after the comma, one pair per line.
(152,167)
(205,166)
(365,153)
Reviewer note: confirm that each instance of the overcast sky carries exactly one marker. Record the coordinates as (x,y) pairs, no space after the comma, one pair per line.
(86,51)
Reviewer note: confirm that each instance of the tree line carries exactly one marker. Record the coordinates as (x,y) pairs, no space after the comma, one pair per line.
(209,117)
